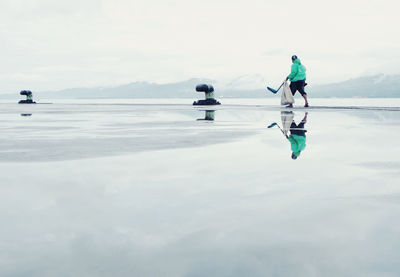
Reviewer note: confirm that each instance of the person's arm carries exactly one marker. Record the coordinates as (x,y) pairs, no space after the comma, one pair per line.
(293,73)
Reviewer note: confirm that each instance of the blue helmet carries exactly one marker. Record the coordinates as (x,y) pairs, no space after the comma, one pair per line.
(294,57)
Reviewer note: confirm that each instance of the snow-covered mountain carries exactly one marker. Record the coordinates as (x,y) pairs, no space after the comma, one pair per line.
(369,86)
(248,86)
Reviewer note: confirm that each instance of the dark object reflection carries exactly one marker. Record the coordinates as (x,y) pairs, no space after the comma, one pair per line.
(209,115)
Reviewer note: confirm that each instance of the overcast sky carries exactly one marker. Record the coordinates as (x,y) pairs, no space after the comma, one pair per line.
(56,44)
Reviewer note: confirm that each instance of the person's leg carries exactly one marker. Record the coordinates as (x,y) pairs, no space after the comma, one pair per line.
(293,89)
(297,129)
(305,117)
(305,100)
(304,94)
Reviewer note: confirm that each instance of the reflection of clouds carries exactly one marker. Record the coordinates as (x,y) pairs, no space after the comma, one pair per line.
(393,198)
(66,149)
(303,243)
(156,213)
(161,220)
(390,116)
(381,165)
(85,133)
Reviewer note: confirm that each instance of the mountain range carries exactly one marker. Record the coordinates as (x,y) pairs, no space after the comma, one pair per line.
(248,86)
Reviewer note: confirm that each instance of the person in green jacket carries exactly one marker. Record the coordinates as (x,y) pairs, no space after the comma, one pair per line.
(297,79)
(297,137)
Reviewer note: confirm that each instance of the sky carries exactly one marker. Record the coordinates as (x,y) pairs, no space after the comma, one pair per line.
(51,45)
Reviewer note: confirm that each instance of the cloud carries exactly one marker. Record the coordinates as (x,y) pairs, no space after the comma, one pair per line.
(174,40)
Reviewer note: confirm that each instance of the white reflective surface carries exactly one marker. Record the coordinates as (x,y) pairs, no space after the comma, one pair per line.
(150,190)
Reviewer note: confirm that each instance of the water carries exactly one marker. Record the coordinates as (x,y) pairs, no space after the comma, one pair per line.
(150,188)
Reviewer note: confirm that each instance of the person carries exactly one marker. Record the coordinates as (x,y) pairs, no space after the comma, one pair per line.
(297,79)
(297,137)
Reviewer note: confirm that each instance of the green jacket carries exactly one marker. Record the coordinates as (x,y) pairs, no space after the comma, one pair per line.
(298,143)
(298,71)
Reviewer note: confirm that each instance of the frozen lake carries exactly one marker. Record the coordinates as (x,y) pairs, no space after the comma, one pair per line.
(157,188)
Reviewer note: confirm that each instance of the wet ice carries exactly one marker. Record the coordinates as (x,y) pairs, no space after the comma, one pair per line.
(150,190)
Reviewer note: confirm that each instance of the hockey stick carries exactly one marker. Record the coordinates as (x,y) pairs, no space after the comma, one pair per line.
(276,124)
(273,90)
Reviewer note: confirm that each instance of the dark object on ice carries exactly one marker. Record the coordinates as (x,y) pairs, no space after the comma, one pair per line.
(209,93)
(26,92)
(205,88)
(28,95)
(26,114)
(206,102)
(26,102)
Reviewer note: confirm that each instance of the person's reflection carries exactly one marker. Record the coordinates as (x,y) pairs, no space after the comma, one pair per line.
(297,136)
(295,133)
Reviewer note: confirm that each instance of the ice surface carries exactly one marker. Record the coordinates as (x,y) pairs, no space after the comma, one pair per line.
(145,188)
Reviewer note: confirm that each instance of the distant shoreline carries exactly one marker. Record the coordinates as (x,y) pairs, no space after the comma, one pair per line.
(377,86)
